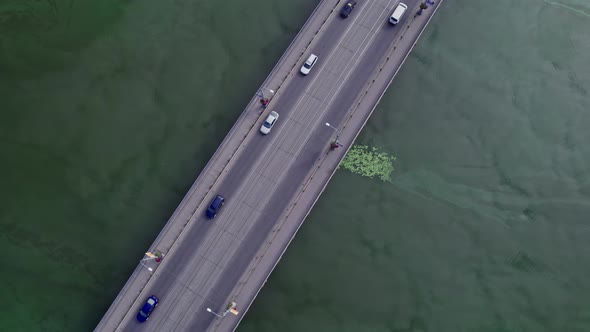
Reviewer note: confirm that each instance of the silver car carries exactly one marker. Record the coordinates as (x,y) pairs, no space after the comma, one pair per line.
(271,119)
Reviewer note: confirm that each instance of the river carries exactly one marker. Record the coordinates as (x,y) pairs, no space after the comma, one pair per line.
(110,109)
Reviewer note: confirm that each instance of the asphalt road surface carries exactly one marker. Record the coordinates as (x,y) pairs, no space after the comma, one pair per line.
(214,254)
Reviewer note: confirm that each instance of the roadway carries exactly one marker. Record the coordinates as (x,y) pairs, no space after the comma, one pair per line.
(212,256)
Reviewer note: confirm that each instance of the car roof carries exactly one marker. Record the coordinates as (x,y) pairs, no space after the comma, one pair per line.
(146,307)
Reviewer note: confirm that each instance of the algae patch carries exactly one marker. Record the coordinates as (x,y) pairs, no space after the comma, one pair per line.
(369,161)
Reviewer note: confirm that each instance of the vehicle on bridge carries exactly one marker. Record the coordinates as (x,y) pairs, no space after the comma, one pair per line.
(215,206)
(347,9)
(398,13)
(150,304)
(269,122)
(309,63)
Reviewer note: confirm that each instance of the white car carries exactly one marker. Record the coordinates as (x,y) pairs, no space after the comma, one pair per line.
(269,122)
(398,13)
(308,64)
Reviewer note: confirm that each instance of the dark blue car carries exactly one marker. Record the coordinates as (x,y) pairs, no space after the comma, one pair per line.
(347,9)
(150,304)
(214,207)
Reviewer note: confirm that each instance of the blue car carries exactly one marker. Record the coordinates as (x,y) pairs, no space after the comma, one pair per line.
(347,9)
(214,207)
(150,304)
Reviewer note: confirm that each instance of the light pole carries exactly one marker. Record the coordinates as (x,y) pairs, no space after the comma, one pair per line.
(231,307)
(335,143)
(147,267)
(337,131)
(213,312)
(156,255)
(260,92)
(263,99)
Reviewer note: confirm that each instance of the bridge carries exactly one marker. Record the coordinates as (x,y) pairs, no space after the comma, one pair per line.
(206,273)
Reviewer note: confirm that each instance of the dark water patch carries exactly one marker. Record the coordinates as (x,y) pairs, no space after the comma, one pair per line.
(45,35)
(524,263)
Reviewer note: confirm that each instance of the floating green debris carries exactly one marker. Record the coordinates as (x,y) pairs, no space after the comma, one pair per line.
(369,161)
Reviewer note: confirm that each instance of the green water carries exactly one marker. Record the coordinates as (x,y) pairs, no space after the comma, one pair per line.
(109,110)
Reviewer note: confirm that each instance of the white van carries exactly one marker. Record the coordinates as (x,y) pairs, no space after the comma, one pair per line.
(306,68)
(398,13)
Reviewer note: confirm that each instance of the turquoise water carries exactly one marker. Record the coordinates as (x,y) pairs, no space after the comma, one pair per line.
(110,109)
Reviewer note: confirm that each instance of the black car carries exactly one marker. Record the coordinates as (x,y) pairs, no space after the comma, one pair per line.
(347,9)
